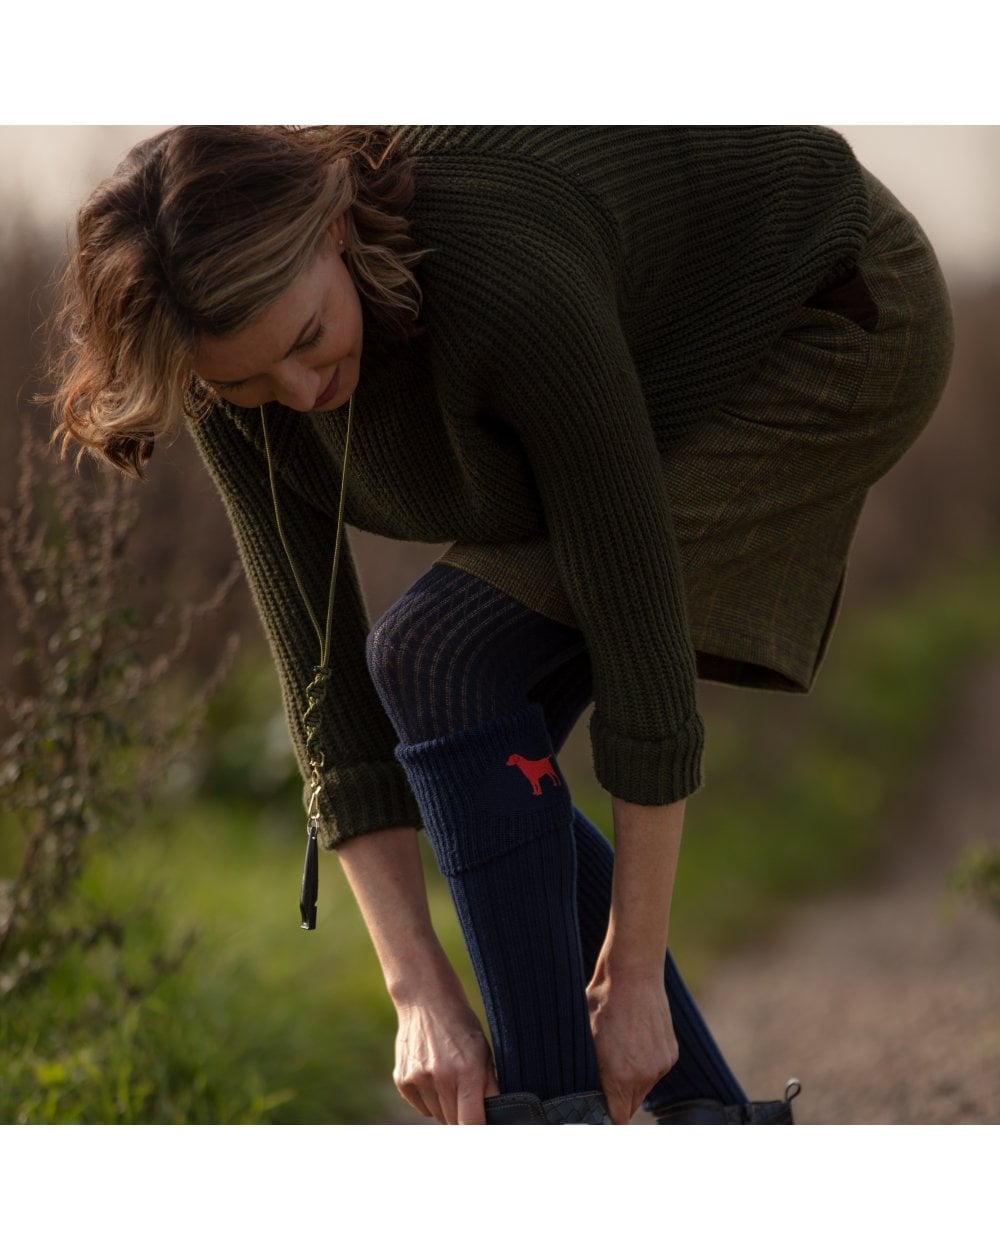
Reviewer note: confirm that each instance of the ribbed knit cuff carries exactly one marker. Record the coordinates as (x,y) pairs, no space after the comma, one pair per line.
(363,798)
(484,791)
(650,773)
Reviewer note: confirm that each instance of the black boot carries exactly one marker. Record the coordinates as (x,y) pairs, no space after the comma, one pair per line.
(588,1108)
(705,1111)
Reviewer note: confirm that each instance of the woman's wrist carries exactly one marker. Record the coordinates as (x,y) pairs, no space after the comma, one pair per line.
(632,955)
(623,964)
(647,846)
(425,978)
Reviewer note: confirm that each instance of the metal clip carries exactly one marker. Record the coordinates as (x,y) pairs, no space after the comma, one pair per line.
(310,871)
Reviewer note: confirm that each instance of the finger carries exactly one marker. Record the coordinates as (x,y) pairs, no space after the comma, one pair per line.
(423,1106)
(419,1106)
(449,1108)
(471,1108)
(438,1110)
(619,1104)
(443,1097)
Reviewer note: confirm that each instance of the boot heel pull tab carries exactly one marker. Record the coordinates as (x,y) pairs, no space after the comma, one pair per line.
(793,1088)
(310,877)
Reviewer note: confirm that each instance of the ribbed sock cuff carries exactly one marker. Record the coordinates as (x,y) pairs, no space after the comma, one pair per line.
(486,790)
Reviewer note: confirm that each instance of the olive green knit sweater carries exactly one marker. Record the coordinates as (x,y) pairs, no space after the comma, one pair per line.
(589,295)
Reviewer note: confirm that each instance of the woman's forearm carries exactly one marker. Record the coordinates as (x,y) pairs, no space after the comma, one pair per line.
(443,1067)
(647,847)
(629,1013)
(386,876)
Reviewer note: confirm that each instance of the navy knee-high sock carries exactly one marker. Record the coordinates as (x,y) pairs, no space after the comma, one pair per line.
(499,817)
(701,1070)
(455,652)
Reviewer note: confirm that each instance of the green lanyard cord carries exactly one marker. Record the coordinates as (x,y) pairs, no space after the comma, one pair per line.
(322,638)
(316,689)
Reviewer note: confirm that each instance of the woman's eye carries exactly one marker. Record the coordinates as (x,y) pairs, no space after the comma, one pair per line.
(320,331)
(312,341)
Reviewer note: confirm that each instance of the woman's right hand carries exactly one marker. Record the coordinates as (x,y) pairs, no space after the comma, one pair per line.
(444,1067)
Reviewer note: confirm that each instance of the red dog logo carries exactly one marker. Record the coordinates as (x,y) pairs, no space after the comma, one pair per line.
(535,770)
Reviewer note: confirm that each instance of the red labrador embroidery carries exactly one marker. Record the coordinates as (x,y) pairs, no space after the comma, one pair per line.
(535,770)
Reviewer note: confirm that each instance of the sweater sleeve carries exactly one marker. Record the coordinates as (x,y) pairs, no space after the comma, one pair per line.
(561,376)
(363,786)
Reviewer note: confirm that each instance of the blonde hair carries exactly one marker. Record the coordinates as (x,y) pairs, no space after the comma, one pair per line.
(198,230)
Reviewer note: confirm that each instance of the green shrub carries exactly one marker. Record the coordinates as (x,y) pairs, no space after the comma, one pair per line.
(977,877)
(258,1022)
(89,731)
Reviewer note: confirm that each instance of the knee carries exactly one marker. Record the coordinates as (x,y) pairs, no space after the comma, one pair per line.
(450,653)
(391,650)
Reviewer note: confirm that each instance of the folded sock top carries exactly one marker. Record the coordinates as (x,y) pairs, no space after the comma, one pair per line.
(500,778)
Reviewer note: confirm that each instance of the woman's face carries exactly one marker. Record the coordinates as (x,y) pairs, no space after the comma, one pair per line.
(303,351)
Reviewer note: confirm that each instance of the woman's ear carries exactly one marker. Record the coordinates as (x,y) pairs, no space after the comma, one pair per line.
(338,232)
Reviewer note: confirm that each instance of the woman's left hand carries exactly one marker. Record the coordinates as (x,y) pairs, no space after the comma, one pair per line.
(629,1013)
(634,1039)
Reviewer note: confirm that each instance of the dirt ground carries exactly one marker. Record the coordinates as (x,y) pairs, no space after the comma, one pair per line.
(885,1003)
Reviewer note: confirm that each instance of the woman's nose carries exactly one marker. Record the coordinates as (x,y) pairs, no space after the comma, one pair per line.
(297,387)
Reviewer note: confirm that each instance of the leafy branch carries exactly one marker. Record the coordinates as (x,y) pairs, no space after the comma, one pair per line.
(90,725)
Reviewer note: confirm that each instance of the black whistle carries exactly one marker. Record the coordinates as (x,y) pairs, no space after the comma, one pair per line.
(310,880)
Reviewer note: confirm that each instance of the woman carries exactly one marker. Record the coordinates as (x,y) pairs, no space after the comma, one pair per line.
(641,379)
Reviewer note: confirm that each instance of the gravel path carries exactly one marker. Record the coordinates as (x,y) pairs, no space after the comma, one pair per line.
(885,1003)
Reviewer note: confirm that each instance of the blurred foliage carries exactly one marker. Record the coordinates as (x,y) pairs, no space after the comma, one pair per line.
(88,726)
(246,753)
(977,877)
(798,790)
(256,1024)
(262,1023)
(799,807)
(259,1023)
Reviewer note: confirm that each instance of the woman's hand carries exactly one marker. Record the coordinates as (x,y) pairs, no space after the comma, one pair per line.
(443,1066)
(633,1037)
(629,1013)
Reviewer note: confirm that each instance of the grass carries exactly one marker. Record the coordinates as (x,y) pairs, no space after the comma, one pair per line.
(263,1023)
